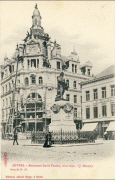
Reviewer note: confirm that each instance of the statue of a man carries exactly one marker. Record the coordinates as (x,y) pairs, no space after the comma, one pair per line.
(61,87)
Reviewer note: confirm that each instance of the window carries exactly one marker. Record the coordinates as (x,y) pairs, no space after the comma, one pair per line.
(74,84)
(95,92)
(75,98)
(10,100)
(72,67)
(67,81)
(113,109)
(40,80)
(75,68)
(104,110)
(113,90)
(87,113)
(104,92)
(3,115)
(75,112)
(6,88)
(26,81)
(3,90)
(95,111)
(87,96)
(67,97)
(33,79)
(12,68)
(33,63)
(6,102)
(28,63)
(6,113)
(3,104)
(37,63)
(81,99)
(88,72)
(9,86)
(58,65)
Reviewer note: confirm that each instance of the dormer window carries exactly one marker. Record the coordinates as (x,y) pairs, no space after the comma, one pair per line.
(58,65)
(72,67)
(88,72)
(75,68)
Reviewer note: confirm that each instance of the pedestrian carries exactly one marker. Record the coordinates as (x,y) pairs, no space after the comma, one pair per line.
(47,140)
(15,137)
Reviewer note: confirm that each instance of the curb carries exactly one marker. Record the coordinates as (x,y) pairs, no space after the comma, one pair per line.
(66,145)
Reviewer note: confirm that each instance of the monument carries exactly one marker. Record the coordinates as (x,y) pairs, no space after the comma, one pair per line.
(62,111)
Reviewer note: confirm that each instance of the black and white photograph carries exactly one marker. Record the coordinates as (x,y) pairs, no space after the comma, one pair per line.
(57,89)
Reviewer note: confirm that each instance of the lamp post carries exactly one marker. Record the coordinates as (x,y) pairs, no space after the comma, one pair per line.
(13,95)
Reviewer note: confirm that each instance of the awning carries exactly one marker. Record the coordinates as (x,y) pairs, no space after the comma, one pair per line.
(111,126)
(89,127)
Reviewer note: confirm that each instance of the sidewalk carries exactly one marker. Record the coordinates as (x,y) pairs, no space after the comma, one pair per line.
(65,145)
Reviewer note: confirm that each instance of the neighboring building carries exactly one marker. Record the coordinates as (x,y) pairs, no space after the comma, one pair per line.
(39,64)
(98,100)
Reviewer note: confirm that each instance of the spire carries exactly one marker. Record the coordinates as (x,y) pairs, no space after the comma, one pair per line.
(36,6)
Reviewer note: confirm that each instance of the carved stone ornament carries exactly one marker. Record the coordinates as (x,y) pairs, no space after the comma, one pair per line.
(55,108)
(67,108)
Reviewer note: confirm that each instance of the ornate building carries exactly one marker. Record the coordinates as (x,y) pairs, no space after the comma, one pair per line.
(29,81)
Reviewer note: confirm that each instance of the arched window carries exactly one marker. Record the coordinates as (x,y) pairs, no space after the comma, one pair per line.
(67,81)
(40,80)
(26,81)
(33,79)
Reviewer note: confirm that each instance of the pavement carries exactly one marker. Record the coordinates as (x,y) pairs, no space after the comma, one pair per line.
(27,151)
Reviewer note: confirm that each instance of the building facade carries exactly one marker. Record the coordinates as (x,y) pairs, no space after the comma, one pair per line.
(98,103)
(29,81)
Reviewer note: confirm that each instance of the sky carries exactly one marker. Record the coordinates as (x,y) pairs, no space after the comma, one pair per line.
(89,26)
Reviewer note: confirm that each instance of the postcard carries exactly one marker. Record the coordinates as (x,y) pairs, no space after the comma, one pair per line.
(57,89)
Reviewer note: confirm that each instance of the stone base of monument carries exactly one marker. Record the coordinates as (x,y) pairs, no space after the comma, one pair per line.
(62,117)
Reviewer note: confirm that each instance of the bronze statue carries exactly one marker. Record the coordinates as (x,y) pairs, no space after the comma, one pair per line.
(61,87)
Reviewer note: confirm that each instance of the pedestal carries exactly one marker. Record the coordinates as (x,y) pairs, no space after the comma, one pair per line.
(62,117)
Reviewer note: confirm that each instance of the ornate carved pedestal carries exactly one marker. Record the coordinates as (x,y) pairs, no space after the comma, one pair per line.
(62,117)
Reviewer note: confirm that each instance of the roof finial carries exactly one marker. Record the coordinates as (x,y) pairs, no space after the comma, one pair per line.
(36,6)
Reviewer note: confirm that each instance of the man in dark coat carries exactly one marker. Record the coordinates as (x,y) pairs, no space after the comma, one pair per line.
(47,140)
(15,137)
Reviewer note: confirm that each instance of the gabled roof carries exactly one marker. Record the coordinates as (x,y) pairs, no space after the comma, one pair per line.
(106,72)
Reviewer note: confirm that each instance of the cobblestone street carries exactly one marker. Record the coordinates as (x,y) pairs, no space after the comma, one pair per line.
(74,155)
(69,153)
